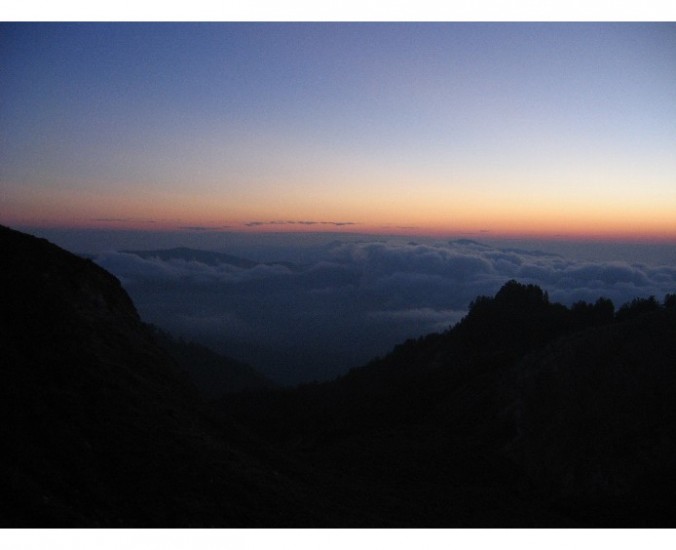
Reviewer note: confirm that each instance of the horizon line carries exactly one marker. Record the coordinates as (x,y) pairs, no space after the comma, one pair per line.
(350,228)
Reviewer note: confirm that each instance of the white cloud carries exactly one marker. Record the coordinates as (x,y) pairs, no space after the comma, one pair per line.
(358,300)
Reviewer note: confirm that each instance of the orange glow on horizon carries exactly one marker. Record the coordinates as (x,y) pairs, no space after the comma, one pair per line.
(505,230)
(429,212)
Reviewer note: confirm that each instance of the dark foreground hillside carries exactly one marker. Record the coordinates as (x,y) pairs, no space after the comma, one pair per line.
(526,413)
(98,425)
(213,375)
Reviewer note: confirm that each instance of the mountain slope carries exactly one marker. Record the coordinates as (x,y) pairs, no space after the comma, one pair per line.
(213,374)
(526,413)
(99,427)
(596,417)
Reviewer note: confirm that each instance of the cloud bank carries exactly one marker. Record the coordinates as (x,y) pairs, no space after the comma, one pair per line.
(357,300)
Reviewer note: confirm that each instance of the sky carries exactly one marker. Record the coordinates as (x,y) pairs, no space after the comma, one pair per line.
(533,130)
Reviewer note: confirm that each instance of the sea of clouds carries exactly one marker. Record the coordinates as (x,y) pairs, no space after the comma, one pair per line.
(355,299)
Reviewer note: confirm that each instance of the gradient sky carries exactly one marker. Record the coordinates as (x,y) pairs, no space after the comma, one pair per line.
(511,129)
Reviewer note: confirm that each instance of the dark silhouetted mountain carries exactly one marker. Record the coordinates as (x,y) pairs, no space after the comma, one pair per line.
(526,413)
(213,374)
(596,421)
(100,428)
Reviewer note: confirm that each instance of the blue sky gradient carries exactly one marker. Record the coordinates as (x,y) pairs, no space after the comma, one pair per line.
(511,128)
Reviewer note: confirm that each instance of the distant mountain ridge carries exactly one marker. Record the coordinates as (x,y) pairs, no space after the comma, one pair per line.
(206,257)
(194,255)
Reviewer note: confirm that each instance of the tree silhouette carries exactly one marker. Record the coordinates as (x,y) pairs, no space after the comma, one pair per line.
(670,301)
(637,307)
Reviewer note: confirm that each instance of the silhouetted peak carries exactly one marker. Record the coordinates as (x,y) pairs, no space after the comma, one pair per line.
(99,426)
(517,294)
(45,285)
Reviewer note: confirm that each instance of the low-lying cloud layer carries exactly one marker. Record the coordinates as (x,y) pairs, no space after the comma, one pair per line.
(303,322)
